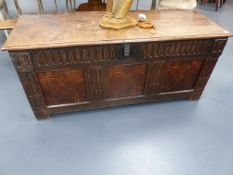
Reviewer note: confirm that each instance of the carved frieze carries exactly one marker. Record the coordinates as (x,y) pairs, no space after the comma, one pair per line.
(75,56)
(176,49)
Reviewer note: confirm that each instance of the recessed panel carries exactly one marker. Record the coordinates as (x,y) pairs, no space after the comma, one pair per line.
(180,75)
(62,87)
(125,80)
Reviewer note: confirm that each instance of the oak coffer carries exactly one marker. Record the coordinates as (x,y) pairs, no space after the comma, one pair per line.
(66,62)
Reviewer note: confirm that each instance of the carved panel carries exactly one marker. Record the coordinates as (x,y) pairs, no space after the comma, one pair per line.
(22,62)
(180,75)
(176,49)
(125,80)
(74,56)
(95,83)
(62,87)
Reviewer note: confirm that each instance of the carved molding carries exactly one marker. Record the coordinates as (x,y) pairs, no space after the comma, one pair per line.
(74,56)
(176,49)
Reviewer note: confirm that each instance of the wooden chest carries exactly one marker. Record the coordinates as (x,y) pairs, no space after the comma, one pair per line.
(66,62)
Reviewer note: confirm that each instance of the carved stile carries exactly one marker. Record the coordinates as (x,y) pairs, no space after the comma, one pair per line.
(95,83)
(31,85)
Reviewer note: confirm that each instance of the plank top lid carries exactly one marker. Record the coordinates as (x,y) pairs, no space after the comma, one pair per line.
(82,28)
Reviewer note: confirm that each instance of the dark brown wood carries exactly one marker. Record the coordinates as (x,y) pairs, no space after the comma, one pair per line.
(218,3)
(28,77)
(92,5)
(63,86)
(81,77)
(125,80)
(180,75)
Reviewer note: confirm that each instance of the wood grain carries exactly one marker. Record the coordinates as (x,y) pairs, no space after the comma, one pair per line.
(125,80)
(62,87)
(7,24)
(82,28)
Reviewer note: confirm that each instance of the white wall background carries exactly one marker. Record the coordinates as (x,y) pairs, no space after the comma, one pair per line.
(30,6)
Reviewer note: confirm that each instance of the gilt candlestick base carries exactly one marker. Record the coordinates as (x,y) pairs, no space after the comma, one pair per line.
(109,22)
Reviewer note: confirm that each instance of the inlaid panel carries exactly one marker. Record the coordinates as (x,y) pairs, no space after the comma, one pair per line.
(180,75)
(62,87)
(125,80)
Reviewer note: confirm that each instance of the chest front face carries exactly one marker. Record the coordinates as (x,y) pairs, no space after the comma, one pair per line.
(80,78)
